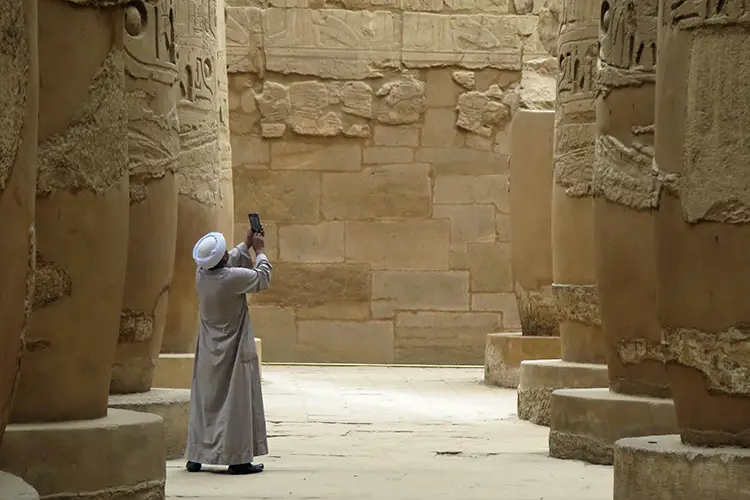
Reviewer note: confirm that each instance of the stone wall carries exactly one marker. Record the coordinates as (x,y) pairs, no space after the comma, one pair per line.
(372,137)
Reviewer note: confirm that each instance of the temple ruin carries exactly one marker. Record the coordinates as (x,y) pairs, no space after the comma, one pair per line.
(514,184)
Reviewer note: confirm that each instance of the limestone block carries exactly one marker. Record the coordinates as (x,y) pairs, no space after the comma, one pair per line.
(310,113)
(468,41)
(538,86)
(495,6)
(409,245)
(423,5)
(81,217)
(504,353)
(205,157)
(379,154)
(443,337)
(441,88)
(174,371)
(469,223)
(411,290)
(271,238)
(350,311)
(331,43)
(663,467)
(468,189)
(701,224)
(344,341)
(172,405)
(244,44)
(310,285)
(151,84)
(19,101)
(490,267)
(277,328)
(462,161)
(340,156)
(401,135)
(292,197)
(249,152)
(548,27)
(585,423)
(502,227)
(402,100)
(439,128)
(401,190)
(124,459)
(309,243)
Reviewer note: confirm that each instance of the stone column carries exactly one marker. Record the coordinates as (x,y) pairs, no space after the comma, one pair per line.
(151,84)
(531,252)
(574,288)
(587,422)
(702,237)
(81,227)
(204,160)
(18,114)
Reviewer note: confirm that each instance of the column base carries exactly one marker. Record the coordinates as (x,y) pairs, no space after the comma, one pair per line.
(120,456)
(172,405)
(664,468)
(585,423)
(15,488)
(175,371)
(505,351)
(539,378)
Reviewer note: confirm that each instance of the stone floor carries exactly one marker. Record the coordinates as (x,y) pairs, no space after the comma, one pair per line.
(396,434)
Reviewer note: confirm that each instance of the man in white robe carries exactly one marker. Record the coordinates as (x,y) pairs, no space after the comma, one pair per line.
(227,421)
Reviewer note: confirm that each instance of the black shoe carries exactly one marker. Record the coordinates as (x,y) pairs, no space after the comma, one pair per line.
(245,469)
(193,467)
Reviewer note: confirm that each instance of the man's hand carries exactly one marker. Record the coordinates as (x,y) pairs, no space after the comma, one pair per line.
(257,243)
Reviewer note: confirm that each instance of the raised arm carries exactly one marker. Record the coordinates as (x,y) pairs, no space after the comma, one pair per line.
(253,280)
(240,256)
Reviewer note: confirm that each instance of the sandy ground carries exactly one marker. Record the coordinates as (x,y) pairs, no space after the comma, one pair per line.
(380,433)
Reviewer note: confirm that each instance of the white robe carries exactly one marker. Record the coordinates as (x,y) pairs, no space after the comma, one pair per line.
(227,422)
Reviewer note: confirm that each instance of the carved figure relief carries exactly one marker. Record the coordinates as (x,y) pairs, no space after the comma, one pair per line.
(628,34)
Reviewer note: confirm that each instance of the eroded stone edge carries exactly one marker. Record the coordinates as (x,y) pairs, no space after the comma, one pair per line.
(568,446)
(534,404)
(579,303)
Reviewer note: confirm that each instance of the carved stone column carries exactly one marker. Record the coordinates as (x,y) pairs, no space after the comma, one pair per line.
(82,195)
(573,270)
(151,85)
(702,241)
(19,81)
(531,253)
(587,422)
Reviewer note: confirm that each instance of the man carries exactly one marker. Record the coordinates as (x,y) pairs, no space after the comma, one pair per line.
(227,422)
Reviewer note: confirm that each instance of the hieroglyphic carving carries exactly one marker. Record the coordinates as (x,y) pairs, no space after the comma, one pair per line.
(402,101)
(687,14)
(625,174)
(480,112)
(468,41)
(84,156)
(577,78)
(14,68)
(196,30)
(245,40)
(151,86)
(331,43)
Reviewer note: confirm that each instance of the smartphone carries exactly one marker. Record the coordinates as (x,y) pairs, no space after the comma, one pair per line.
(255,224)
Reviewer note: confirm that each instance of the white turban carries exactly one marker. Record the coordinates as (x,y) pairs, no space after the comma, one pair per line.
(209,250)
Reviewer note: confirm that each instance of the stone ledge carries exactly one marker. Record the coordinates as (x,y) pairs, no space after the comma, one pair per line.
(504,353)
(585,423)
(172,405)
(175,371)
(540,377)
(15,488)
(120,456)
(664,468)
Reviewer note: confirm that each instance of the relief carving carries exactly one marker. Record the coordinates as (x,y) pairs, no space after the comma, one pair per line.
(14,68)
(578,69)
(625,174)
(403,101)
(151,85)
(331,43)
(245,40)
(548,27)
(687,14)
(465,79)
(481,112)
(310,110)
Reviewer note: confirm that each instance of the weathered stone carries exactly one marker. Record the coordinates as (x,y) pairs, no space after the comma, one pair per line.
(331,43)
(345,341)
(285,196)
(440,129)
(402,101)
(413,290)
(418,244)
(380,154)
(312,243)
(277,327)
(356,99)
(244,45)
(19,101)
(469,223)
(460,161)
(316,284)
(441,89)
(479,114)
(504,353)
(401,190)
(464,79)
(310,110)
(297,155)
(443,337)
(273,103)
(470,189)
(490,268)
(403,135)
(548,27)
